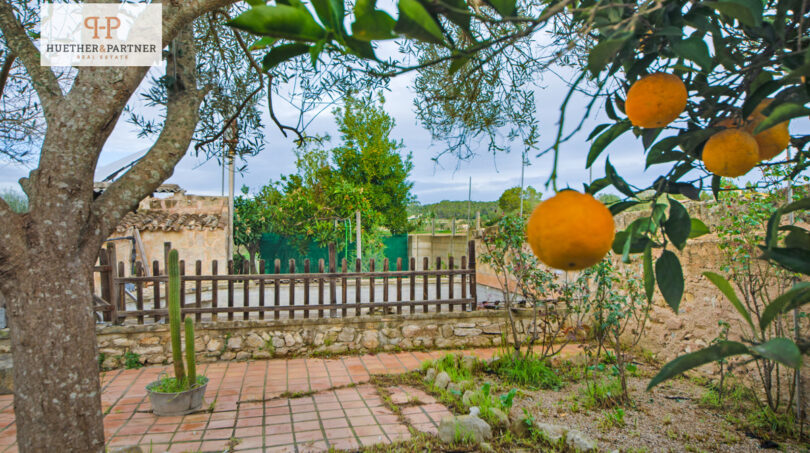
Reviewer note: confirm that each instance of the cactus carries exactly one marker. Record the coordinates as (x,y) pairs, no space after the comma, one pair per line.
(174,316)
(190,359)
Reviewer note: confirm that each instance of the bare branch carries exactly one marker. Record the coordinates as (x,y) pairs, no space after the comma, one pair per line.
(17,39)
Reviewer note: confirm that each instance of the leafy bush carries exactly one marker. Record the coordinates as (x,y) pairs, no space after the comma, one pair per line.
(132,360)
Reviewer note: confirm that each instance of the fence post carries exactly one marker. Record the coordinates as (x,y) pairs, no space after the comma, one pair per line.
(425,266)
(332,282)
(276,288)
(113,290)
(320,287)
(385,286)
(450,281)
(104,280)
(230,290)
(358,287)
(292,288)
(343,290)
(214,290)
(371,295)
(198,289)
(473,288)
(156,288)
(464,282)
(167,247)
(438,284)
(306,288)
(246,289)
(399,285)
(122,296)
(261,289)
(412,283)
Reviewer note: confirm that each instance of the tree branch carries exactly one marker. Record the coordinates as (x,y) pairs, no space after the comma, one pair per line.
(5,70)
(17,40)
(182,115)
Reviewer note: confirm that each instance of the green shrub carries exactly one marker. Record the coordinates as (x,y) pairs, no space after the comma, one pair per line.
(132,360)
(451,364)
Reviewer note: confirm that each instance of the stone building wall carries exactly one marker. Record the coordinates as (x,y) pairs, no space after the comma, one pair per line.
(431,246)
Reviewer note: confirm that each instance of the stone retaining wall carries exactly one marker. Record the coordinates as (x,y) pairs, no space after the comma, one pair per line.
(244,340)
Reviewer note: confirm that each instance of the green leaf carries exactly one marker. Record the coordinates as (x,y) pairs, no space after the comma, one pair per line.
(374,25)
(716,187)
(596,186)
(331,13)
(417,23)
(637,243)
(686,362)
(698,228)
(648,136)
(596,130)
(649,274)
(748,12)
(279,21)
(792,259)
(604,139)
(456,11)
(795,297)
(669,275)
(360,48)
(781,113)
(603,53)
(725,287)
(695,49)
(315,52)
(617,181)
(262,43)
(506,8)
(781,350)
(457,64)
(620,206)
(256,2)
(282,53)
(661,157)
(678,226)
(761,93)
(797,237)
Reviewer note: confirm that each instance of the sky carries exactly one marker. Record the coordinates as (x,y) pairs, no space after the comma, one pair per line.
(448,179)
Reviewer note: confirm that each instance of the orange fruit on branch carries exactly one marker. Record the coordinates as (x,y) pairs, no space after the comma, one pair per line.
(570,231)
(655,100)
(771,141)
(731,153)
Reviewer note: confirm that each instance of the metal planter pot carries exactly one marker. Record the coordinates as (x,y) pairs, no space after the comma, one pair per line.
(181,403)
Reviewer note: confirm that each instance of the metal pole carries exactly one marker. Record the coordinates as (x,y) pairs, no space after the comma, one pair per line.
(522,169)
(359,237)
(469,209)
(230,207)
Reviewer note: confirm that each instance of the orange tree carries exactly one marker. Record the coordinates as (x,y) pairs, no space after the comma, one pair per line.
(732,74)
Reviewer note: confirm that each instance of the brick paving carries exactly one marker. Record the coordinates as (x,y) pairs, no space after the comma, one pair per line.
(248,409)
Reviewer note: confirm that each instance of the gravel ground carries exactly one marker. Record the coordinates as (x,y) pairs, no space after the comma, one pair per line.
(667,419)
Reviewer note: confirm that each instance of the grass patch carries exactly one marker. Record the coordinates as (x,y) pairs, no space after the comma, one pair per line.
(601,394)
(528,372)
(168,384)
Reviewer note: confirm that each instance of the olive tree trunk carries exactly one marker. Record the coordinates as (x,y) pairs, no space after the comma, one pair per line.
(47,254)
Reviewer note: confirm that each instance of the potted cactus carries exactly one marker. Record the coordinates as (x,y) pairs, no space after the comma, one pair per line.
(183,393)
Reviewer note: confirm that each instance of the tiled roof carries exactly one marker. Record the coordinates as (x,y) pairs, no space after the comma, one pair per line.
(166,221)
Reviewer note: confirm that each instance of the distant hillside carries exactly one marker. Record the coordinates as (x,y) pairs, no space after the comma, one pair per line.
(447,209)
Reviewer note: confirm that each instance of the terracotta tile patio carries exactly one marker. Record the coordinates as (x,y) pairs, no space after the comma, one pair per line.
(248,409)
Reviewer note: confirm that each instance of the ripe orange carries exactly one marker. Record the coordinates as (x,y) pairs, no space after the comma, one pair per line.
(570,231)
(771,141)
(655,100)
(731,153)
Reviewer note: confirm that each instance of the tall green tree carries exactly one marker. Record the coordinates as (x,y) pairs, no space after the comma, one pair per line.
(371,159)
(509,201)
(252,218)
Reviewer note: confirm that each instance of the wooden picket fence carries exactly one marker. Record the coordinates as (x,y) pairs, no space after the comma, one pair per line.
(325,290)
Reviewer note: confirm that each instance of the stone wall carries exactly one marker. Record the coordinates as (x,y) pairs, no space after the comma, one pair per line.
(243,340)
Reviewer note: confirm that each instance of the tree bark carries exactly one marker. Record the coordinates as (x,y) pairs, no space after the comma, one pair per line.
(53,344)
